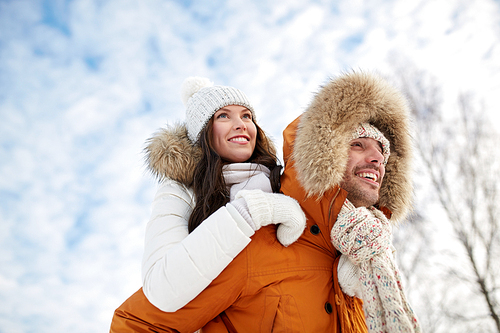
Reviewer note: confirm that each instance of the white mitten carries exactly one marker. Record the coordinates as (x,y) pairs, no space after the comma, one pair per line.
(242,208)
(275,208)
(348,275)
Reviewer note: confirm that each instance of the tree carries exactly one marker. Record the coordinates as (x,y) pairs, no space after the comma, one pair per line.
(459,151)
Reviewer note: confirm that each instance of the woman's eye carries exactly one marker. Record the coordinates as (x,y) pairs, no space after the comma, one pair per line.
(222,115)
(247,116)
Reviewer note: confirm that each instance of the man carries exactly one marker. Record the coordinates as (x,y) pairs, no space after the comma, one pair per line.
(268,287)
(351,150)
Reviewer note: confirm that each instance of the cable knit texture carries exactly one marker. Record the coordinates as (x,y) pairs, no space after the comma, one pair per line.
(202,99)
(364,236)
(274,208)
(242,208)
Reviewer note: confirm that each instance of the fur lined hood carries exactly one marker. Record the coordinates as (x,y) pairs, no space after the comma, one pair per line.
(321,146)
(170,154)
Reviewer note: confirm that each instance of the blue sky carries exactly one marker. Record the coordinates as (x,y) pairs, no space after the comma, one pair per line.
(83,84)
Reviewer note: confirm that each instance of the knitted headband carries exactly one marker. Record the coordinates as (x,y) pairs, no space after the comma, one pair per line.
(202,99)
(366,130)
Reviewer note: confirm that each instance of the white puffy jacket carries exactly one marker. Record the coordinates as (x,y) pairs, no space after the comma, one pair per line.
(178,265)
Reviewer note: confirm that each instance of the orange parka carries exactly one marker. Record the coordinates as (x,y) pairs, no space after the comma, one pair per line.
(267,287)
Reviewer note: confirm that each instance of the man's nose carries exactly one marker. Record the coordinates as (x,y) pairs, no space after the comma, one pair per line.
(375,155)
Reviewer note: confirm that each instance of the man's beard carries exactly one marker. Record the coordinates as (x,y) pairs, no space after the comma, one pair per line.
(358,196)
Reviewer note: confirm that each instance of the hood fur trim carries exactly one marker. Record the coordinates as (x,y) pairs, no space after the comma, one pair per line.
(170,154)
(321,147)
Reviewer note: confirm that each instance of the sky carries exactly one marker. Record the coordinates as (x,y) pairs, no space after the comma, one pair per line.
(83,85)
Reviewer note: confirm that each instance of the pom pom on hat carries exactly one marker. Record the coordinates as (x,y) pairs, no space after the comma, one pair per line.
(192,85)
(202,99)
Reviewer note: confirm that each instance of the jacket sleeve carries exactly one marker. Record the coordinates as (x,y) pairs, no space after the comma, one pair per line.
(178,265)
(137,314)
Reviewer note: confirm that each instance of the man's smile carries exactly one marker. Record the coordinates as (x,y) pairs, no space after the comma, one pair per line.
(368,175)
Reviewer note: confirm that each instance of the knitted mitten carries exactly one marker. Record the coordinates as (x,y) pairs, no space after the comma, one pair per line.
(242,208)
(348,275)
(273,208)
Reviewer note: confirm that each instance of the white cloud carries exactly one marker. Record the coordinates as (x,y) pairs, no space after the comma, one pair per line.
(82,88)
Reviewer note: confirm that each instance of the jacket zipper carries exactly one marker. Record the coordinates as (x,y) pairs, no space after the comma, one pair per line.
(331,204)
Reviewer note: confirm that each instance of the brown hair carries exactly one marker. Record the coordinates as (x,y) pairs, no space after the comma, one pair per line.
(208,183)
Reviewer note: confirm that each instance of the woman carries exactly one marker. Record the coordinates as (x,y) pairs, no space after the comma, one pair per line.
(267,286)
(200,220)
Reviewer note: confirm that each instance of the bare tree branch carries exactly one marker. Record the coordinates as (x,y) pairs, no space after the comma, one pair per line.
(458,151)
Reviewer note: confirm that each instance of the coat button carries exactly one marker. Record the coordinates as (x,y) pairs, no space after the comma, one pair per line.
(328,308)
(315,229)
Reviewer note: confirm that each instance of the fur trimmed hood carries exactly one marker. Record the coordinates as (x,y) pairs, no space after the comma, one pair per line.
(170,154)
(321,146)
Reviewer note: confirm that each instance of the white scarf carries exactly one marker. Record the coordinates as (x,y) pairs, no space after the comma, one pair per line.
(248,176)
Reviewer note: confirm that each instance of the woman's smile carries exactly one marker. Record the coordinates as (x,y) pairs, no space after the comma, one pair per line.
(234,133)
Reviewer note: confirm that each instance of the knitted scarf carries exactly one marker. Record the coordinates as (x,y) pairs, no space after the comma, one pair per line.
(246,176)
(364,236)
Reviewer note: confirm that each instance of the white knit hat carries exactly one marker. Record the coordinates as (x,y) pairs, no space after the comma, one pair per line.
(366,130)
(202,99)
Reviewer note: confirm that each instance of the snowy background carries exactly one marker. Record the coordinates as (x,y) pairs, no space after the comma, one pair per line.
(84,83)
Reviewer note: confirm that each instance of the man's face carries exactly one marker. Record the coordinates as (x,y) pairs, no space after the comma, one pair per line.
(364,173)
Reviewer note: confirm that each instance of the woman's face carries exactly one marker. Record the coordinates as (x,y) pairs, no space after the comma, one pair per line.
(234,133)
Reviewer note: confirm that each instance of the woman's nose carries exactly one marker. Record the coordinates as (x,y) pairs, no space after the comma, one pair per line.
(239,124)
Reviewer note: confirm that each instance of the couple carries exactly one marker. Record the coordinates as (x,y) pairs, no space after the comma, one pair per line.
(233,245)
